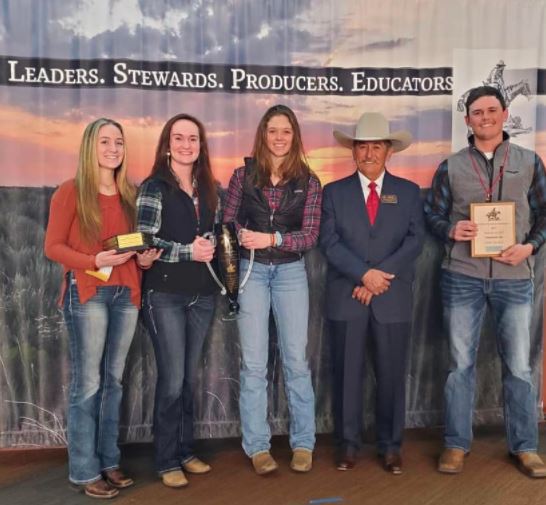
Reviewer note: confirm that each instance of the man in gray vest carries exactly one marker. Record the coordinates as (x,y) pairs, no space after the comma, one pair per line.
(490,169)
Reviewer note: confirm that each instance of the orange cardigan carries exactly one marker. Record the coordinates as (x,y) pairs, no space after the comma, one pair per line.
(64,244)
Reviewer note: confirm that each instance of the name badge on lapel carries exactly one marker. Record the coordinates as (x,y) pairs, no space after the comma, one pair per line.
(392,199)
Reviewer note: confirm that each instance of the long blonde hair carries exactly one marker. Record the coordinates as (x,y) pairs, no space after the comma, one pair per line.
(295,165)
(87,183)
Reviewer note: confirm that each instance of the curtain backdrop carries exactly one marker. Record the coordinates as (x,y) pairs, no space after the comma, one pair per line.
(65,63)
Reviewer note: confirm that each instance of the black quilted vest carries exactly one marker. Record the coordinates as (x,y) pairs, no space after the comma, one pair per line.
(256,215)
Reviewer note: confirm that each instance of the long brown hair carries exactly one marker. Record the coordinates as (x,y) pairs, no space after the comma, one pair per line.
(87,183)
(201,171)
(294,166)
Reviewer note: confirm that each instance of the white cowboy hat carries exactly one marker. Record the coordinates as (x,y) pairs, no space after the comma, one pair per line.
(374,126)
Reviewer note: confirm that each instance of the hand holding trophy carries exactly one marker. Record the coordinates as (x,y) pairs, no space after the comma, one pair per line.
(227,252)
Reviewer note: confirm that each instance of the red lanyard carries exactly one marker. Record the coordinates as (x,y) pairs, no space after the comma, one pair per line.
(489,191)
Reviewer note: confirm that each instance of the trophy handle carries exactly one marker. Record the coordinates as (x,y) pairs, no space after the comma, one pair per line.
(247,274)
(215,277)
(243,282)
(210,236)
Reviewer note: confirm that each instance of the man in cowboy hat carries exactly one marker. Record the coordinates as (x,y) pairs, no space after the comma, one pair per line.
(371,233)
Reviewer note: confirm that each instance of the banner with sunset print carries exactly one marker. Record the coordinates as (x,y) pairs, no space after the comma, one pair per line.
(64,63)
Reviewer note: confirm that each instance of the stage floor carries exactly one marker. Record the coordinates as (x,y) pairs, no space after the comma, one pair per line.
(38,477)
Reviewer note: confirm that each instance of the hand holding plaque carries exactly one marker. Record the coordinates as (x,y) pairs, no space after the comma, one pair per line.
(105,261)
(496,228)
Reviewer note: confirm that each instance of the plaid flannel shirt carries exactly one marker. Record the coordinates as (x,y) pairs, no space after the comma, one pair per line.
(439,198)
(295,241)
(149,209)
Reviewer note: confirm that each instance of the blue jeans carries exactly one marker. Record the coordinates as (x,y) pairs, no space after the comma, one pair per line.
(100,332)
(178,324)
(465,299)
(284,288)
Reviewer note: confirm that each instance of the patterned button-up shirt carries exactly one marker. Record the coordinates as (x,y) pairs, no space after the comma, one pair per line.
(149,209)
(295,241)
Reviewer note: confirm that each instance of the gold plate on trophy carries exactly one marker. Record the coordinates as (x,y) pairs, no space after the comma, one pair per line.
(129,242)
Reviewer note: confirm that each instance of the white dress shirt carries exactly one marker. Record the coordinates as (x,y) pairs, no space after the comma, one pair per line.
(364,181)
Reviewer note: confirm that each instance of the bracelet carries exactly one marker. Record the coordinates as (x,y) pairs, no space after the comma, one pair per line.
(272,240)
(144,267)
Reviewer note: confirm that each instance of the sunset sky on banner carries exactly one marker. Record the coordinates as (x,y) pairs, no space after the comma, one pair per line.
(41,127)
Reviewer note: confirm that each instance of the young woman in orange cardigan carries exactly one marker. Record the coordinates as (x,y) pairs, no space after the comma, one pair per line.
(100,300)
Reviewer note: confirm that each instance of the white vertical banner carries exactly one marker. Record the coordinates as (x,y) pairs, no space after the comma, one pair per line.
(513,73)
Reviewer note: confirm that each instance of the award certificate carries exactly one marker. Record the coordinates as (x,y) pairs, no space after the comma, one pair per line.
(496,228)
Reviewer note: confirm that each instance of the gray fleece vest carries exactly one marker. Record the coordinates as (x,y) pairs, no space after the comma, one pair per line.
(466,188)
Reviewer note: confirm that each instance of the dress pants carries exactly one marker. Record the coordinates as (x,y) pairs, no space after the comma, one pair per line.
(389,347)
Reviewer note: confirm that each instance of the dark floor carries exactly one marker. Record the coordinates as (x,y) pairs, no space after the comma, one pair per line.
(39,477)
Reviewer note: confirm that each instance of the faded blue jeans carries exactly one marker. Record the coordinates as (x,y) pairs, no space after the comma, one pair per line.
(283,288)
(510,301)
(178,324)
(100,332)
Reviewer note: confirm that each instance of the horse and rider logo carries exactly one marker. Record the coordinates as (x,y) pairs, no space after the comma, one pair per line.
(513,125)
(493,215)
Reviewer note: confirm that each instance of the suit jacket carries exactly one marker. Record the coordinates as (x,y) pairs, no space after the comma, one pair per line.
(352,246)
